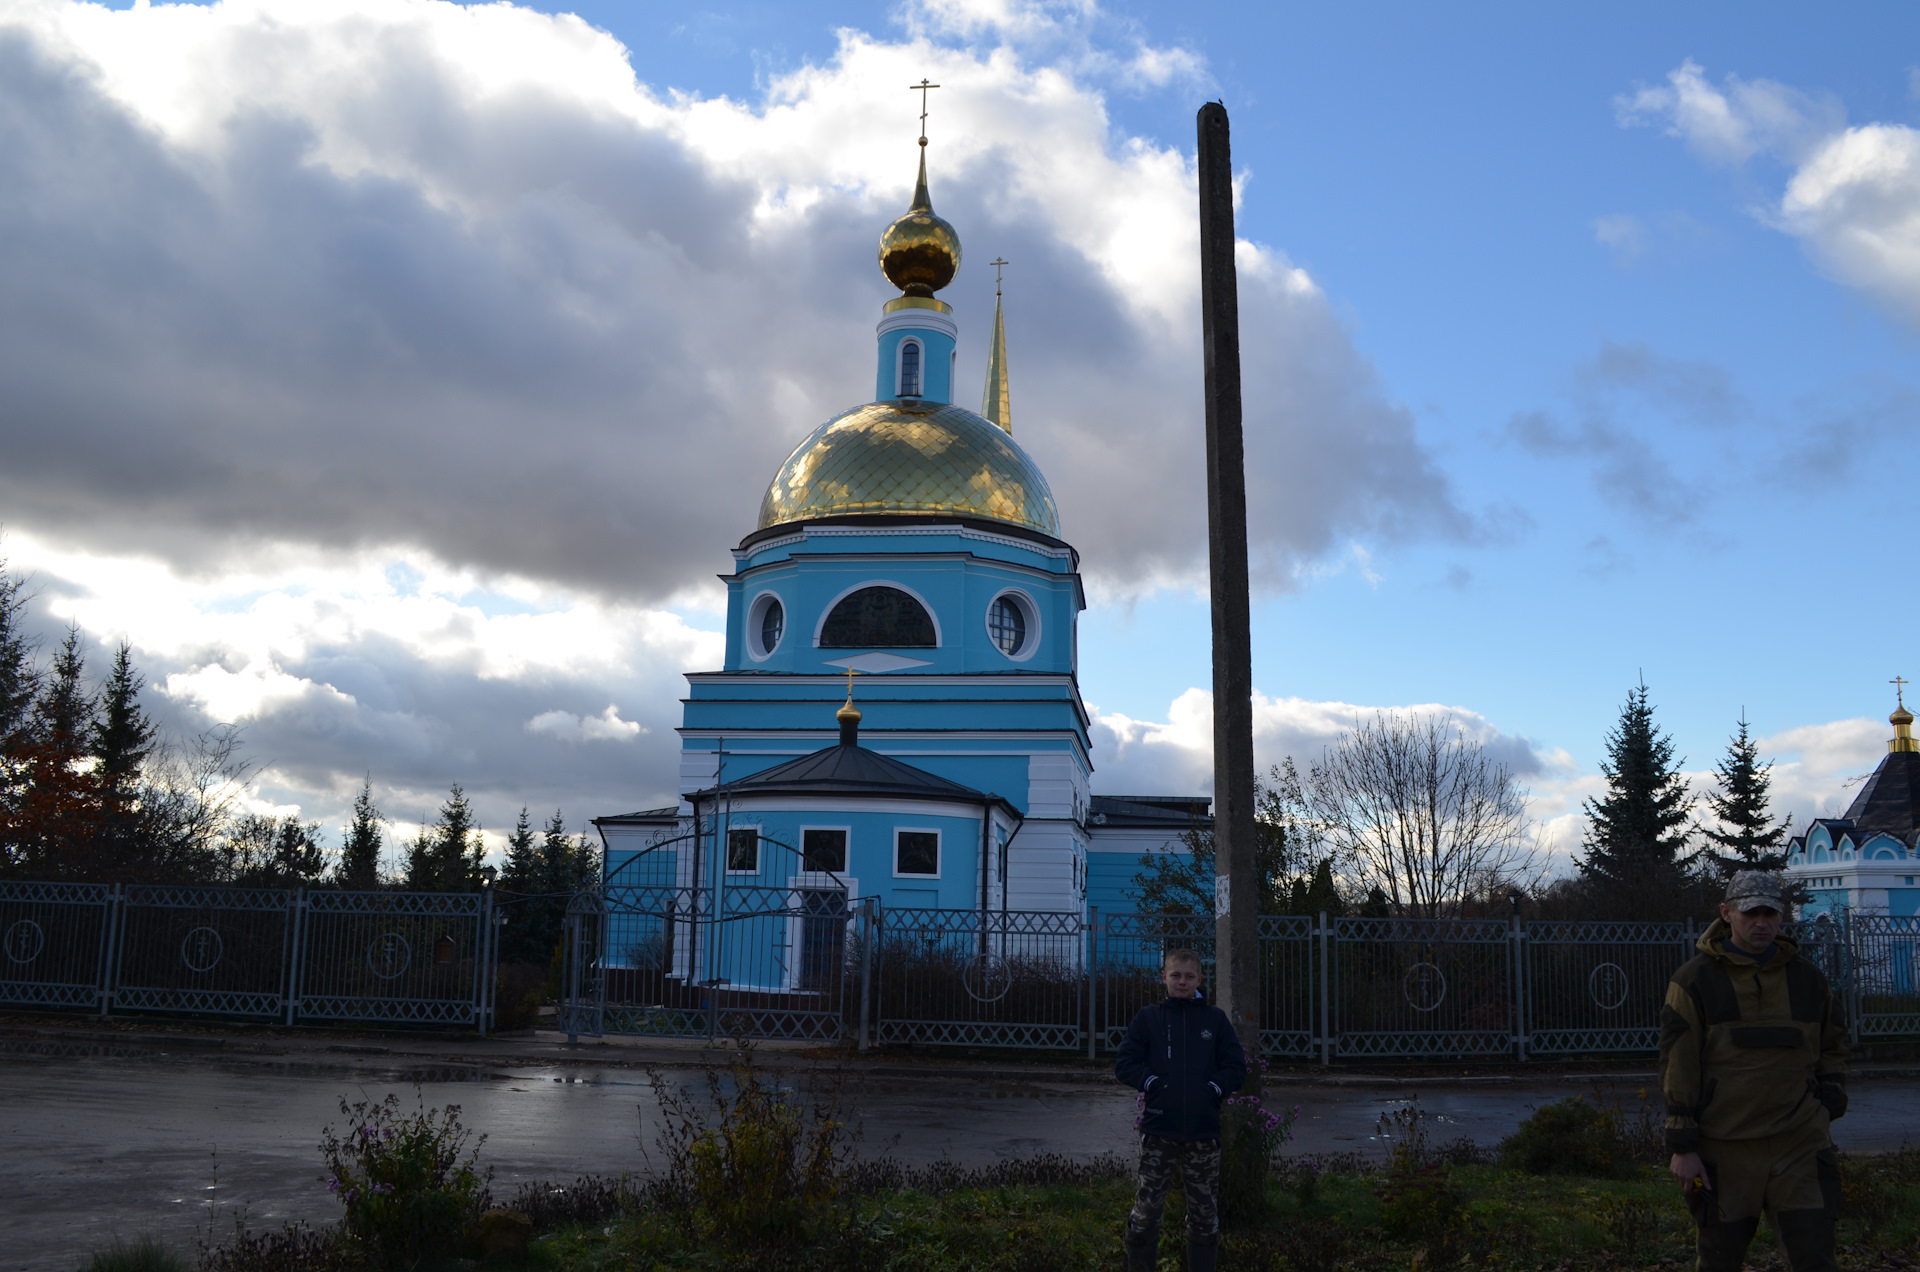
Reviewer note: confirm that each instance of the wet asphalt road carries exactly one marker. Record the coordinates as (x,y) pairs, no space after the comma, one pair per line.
(94,1146)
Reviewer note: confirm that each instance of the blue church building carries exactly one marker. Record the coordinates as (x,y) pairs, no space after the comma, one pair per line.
(898,716)
(1868,860)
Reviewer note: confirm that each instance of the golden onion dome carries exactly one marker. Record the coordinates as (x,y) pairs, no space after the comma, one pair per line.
(910,456)
(920,252)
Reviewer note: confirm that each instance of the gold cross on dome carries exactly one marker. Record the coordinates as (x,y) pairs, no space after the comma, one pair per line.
(921,88)
(997,264)
(851,672)
(1899,694)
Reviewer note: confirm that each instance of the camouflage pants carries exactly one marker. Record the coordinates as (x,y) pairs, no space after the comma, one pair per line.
(1199,1165)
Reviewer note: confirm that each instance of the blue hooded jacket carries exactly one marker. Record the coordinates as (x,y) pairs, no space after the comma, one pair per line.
(1184,1054)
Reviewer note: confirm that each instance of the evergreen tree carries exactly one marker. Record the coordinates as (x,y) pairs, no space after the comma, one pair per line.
(19,683)
(121,739)
(556,856)
(523,859)
(420,874)
(19,687)
(456,850)
(298,859)
(1747,837)
(359,868)
(1637,832)
(64,713)
(55,825)
(122,735)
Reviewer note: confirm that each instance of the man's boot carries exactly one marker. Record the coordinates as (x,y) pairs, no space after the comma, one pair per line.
(1206,1258)
(1143,1249)
(1723,1246)
(1808,1238)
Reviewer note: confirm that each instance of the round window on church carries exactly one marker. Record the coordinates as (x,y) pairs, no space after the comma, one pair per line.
(1012,625)
(766,624)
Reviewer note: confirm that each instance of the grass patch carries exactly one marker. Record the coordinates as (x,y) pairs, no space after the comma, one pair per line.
(143,1254)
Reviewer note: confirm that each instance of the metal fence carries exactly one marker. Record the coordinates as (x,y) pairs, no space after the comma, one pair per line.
(652,955)
(270,954)
(1329,988)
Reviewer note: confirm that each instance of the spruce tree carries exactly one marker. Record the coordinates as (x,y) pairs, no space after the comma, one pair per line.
(64,713)
(1747,837)
(457,848)
(359,868)
(123,736)
(19,686)
(523,859)
(420,873)
(1637,832)
(19,683)
(556,856)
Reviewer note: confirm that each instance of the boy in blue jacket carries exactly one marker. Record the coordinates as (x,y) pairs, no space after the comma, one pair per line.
(1183,1056)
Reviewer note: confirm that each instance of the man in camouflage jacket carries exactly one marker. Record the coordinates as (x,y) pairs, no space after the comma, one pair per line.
(1753,1063)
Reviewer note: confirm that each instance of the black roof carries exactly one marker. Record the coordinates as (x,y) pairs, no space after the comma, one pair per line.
(1174,812)
(851,769)
(1890,800)
(645,817)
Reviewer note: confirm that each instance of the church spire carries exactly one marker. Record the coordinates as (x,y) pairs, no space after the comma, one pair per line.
(993,403)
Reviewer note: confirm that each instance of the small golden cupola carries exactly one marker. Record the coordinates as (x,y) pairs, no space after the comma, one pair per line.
(920,252)
(911,452)
(1902,722)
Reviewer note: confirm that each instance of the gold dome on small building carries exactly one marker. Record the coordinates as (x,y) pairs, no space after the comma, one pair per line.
(920,252)
(910,456)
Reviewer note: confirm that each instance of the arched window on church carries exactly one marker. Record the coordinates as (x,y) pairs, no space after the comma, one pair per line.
(909,368)
(878,617)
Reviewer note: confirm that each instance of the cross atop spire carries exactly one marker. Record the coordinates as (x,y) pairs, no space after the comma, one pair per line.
(1899,683)
(998,264)
(921,88)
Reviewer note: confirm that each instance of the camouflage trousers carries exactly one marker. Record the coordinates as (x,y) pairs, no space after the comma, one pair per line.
(1198,1162)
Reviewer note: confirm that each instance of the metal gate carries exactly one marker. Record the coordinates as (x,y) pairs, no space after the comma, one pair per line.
(673,944)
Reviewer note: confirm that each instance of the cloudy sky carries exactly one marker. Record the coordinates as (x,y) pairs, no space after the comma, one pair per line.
(396,375)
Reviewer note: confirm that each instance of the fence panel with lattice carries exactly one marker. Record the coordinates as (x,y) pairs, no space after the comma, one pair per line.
(54,943)
(1597,987)
(207,950)
(1011,978)
(1423,987)
(419,957)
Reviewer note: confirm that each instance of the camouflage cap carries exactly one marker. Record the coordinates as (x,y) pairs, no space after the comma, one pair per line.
(1752,889)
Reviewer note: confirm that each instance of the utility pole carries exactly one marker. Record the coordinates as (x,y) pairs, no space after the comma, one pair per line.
(1236,893)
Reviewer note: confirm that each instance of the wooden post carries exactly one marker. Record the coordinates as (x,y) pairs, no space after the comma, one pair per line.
(1236,889)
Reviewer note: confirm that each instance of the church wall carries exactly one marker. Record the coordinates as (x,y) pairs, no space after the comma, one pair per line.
(1046,865)
(1113,859)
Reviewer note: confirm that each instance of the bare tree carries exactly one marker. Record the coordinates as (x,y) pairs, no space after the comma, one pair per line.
(1416,808)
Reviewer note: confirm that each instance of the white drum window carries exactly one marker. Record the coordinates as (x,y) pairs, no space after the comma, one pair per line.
(766,625)
(1008,625)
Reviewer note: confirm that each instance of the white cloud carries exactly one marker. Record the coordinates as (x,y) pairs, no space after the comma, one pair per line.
(1622,232)
(1732,124)
(402,669)
(605,727)
(447,280)
(1853,194)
